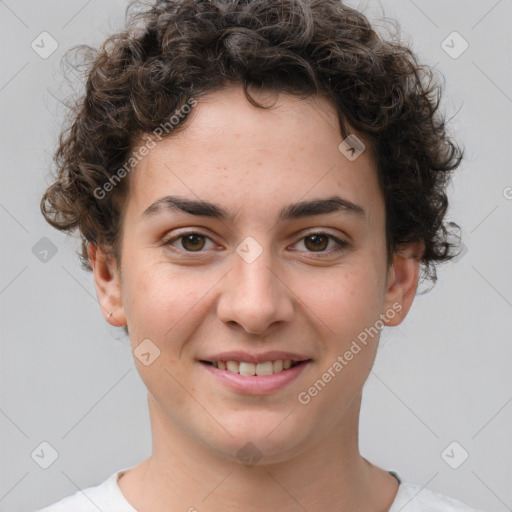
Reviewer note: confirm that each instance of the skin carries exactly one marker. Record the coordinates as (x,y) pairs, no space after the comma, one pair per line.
(189,304)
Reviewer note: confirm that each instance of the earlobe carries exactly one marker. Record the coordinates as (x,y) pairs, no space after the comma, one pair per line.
(108,285)
(402,283)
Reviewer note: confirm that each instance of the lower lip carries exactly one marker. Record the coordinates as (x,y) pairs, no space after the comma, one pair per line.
(256,384)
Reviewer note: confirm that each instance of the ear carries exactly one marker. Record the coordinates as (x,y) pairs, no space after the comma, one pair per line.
(108,285)
(402,282)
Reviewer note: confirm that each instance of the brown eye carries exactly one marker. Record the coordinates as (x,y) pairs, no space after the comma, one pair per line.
(192,242)
(316,242)
(322,244)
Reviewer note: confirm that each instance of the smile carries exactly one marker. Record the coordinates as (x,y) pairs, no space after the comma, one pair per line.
(245,368)
(263,377)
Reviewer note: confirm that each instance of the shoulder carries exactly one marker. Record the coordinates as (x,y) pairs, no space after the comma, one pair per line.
(414,498)
(105,497)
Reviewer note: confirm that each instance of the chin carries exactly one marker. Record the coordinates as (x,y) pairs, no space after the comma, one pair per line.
(256,441)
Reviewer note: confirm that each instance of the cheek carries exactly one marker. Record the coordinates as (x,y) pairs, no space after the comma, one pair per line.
(166,304)
(149,299)
(349,306)
(346,299)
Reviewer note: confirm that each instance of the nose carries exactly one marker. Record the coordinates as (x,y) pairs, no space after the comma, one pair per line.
(255,296)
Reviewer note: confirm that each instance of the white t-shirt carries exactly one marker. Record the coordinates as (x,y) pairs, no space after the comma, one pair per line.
(108,497)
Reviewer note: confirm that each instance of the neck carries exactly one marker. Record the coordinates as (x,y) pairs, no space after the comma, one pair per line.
(191,476)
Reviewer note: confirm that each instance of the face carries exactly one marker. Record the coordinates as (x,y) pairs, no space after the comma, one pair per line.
(285,265)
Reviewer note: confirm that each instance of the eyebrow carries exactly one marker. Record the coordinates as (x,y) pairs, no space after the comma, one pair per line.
(299,210)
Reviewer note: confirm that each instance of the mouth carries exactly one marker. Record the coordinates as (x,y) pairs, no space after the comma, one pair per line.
(256,369)
(255,374)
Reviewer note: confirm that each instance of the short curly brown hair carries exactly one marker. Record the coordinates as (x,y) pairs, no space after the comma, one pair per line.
(175,50)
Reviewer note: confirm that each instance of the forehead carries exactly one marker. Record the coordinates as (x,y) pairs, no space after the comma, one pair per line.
(254,160)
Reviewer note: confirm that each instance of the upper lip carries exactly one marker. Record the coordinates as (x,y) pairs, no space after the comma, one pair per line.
(238,355)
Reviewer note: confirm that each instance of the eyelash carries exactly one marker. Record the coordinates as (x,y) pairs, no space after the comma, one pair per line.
(341,245)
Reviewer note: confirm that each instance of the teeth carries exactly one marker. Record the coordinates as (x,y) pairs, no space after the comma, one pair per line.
(247,369)
(232,366)
(277,365)
(266,368)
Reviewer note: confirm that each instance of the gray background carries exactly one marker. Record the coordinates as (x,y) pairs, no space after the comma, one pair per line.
(68,378)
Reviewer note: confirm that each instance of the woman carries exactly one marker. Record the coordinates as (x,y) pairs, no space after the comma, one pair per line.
(257,186)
